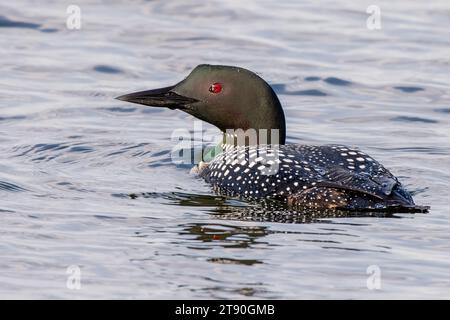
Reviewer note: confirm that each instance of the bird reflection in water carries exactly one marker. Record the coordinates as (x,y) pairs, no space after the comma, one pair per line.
(221,207)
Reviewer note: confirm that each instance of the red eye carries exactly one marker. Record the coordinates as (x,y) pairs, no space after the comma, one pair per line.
(215,88)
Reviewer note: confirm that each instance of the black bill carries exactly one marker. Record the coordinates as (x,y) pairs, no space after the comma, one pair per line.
(162,97)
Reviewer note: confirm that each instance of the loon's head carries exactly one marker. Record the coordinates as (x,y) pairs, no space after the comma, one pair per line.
(230,98)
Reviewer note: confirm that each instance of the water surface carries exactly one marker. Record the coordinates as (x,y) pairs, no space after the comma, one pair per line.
(70,155)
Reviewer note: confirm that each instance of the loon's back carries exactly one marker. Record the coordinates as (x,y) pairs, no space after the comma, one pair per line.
(330,176)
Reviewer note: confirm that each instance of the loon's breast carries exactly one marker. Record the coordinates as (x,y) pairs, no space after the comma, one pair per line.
(330,176)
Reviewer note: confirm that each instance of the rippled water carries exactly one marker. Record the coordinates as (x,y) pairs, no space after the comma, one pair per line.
(71,155)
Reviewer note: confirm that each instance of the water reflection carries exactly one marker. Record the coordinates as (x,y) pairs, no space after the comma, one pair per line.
(226,235)
(220,207)
(212,235)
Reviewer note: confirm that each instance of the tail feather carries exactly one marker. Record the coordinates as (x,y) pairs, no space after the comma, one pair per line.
(333,198)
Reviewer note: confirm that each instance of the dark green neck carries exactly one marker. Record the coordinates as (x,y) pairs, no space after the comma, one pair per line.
(261,124)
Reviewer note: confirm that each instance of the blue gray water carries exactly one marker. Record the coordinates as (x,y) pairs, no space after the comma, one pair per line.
(70,154)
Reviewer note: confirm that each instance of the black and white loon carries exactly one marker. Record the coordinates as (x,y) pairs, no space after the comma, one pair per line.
(317,177)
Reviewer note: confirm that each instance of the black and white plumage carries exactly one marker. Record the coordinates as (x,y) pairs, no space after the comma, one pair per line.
(330,176)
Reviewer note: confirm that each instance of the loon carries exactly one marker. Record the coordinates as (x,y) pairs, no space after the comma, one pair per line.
(239,103)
